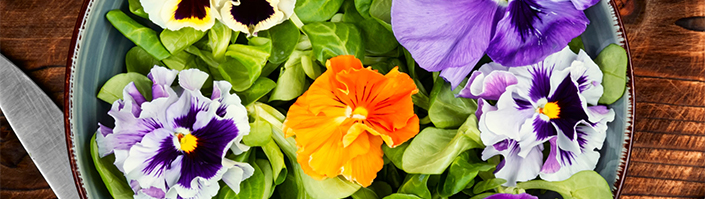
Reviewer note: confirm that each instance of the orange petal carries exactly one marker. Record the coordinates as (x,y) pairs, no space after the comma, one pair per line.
(363,168)
(329,159)
(343,62)
(303,161)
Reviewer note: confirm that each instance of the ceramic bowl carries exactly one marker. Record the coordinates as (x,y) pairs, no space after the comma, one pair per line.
(98,51)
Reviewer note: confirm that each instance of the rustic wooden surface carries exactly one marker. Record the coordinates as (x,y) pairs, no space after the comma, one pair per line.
(668,156)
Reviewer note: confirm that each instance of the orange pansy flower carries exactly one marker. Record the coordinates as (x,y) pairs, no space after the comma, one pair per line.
(342,120)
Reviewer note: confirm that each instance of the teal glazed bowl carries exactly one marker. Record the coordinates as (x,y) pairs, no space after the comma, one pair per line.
(97,53)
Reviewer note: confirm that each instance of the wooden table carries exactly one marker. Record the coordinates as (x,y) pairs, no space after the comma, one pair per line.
(668,156)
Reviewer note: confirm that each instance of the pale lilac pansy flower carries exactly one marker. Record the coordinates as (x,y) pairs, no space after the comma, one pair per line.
(452,35)
(174,146)
(552,101)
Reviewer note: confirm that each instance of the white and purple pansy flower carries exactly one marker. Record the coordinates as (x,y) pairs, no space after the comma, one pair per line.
(452,35)
(174,146)
(551,101)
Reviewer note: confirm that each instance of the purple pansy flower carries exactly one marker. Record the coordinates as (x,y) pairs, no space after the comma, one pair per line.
(452,35)
(551,101)
(174,146)
(512,196)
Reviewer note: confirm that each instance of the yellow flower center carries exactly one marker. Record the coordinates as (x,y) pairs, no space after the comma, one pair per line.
(188,142)
(359,113)
(551,109)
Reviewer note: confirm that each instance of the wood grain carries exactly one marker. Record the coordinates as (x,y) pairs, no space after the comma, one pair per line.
(668,155)
(667,161)
(35,35)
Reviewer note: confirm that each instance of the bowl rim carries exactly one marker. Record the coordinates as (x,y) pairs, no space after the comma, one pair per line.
(68,92)
(78,35)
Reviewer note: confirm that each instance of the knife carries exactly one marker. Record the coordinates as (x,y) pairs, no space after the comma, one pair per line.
(38,123)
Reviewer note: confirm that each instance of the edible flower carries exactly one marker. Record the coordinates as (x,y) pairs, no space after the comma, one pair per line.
(177,14)
(452,35)
(552,101)
(175,145)
(251,16)
(342,120)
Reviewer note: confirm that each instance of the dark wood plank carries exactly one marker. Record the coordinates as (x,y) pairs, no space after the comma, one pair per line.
(670,126)
(668,158)
(675,172)
(661,48)
(669,141)
(35,35)
(663,187)
(661,90)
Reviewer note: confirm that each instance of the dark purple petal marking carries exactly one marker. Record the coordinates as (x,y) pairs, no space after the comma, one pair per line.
(499,166)
(522,104)
(221,110)
(252,12)
(524,14)
(582,82)
(582,141)
(502,145)
(187,121)
(191,9)
(543,129)
(566,157)
(161,161)
(540,82)
(567,98)
(206,159)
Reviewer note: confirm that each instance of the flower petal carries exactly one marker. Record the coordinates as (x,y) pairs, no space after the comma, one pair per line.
(588,76)
(535,131)
(363,168)
(584,4)
(162,78)
(573,109)
(192,79)
(515,168)
(130,93)
(454,34)
(509,117)
(254,15)
(177,14)
(569,163)
(455,75)
(488,86)
(148,160)
(236,174)
(532,29)
(183,112)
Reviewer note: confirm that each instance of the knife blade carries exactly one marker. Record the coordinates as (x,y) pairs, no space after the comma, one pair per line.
(38,124)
